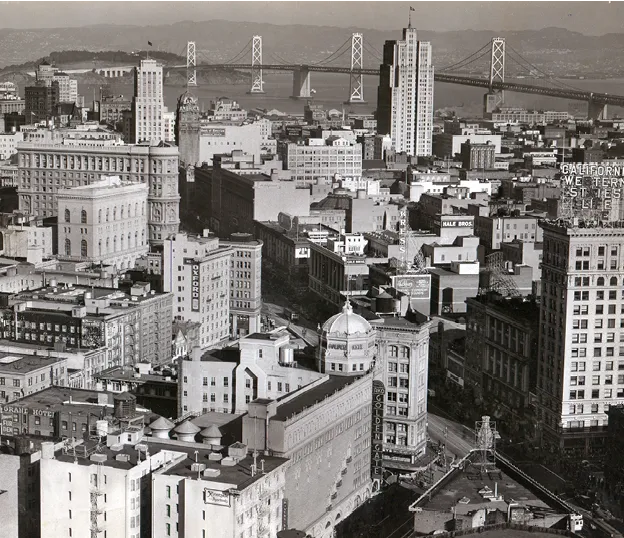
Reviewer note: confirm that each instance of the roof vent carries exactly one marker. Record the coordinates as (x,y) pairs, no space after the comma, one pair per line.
(212,473)
(125,458)
(99,458)
(198,467)
(228,462)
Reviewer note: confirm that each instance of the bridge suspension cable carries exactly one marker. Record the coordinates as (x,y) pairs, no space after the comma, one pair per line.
(484,50)
(372,51)
(343,48)
(519,58)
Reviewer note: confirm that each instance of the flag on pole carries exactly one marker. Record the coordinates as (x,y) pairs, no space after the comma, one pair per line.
(149,43)
(412,9)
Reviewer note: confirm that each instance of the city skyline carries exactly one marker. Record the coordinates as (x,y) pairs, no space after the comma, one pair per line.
(583,17)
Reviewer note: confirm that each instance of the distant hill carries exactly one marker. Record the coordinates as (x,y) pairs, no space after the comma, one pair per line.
(555,50)
(67,59)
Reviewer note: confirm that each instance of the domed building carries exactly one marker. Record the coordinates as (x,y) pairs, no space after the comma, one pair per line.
(347,344)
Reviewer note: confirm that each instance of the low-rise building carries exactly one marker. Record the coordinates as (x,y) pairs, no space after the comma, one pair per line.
(131,326)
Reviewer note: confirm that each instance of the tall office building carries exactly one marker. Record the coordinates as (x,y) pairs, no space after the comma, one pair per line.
(405,95)
(148,104)
(579,373)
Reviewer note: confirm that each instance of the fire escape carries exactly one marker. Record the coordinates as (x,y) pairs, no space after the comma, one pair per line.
(95,511)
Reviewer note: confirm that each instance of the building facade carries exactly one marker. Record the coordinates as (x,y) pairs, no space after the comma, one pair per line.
(325,432)
(402,365)
(405,96)
(68,87)
(196,270)
(40,103)
(148,104)
(105,222)
(245,284)
(322,159)
(580,358)
(46,168)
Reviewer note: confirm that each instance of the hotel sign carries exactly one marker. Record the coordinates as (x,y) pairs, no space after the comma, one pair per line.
(214,496)
(195,295)
(379,392)
(15,410)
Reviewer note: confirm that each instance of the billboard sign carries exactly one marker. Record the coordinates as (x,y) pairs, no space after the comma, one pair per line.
(416,286)
(217,133)
(195,295)
(379,392)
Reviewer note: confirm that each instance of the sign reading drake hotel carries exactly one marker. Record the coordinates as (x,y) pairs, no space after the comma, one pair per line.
(379,392)
(194,283)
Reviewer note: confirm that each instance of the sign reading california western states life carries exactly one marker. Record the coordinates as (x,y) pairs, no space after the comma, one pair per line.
(379,393)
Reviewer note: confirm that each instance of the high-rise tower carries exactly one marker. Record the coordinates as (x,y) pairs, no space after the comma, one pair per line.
(581,345)
(148,105)
(187,130)
(405,95)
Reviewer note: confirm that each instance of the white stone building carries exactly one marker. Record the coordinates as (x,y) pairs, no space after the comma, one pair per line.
(105,222)
(148,104)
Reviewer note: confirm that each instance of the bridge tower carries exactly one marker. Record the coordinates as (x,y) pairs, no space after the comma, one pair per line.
(191,74)
(494,98)
(356,86)
(257,84)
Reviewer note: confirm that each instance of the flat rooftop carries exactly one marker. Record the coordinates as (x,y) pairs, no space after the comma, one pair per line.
(463,492)
(14,363)
(309,397)
(121,374)
(238,475)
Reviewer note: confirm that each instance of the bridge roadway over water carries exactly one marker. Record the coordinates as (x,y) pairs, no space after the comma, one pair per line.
(301,82)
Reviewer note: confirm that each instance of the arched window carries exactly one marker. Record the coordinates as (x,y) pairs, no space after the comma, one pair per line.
(129,240)
(115,244)
(136,209)
(142,237)
(67,247)
(67,216)
(143,208)
(121,241)
(121,216)
(83,248)
(107,245)
(114,213)
(613,281)
(394,351)
(129,207)
(600,281)
(99,216)
(100,247)
(83,217)
(136,239)
(405,352)
(107,214)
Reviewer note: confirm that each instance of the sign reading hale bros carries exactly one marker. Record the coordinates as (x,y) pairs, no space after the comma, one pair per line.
(379,392)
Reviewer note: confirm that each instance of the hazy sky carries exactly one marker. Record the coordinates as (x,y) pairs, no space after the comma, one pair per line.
(593,18)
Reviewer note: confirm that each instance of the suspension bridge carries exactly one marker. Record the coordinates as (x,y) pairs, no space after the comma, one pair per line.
(492,58)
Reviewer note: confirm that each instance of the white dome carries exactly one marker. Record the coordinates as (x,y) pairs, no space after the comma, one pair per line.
(346,322)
